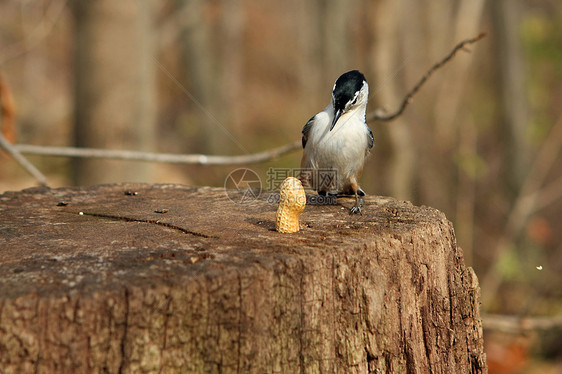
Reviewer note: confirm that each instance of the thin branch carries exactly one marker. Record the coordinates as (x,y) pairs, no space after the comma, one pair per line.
(377,116)
(519,325)
(159,157)
(10,149)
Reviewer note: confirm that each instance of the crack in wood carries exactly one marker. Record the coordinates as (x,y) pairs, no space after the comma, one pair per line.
(122,345)
(151,221)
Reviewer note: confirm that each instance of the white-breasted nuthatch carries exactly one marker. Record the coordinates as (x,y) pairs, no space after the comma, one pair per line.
(337,141)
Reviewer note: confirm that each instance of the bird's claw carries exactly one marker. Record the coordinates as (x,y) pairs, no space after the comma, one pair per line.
(356,209)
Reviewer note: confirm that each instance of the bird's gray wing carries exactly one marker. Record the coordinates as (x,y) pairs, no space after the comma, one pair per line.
(371,138)
(306,130)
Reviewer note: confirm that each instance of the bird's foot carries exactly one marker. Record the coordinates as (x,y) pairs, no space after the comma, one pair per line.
(355,210)
(357,207)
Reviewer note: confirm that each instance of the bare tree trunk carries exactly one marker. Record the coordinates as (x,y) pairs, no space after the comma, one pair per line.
(513,103)
(310,69)
(466,189)
(387,87)
(199,67)
(211,56)
(336,37)
(448,104)
(115,106)
(454,128)
(232,32)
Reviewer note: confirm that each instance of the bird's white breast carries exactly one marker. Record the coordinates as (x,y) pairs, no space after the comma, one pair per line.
(343,149)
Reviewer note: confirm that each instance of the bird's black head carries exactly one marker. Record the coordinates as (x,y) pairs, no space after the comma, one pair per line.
(346,88)
(346,92)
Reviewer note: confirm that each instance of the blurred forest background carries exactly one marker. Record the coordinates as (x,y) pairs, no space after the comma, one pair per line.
(481,141)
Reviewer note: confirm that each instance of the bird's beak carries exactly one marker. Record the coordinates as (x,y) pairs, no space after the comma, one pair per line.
(339,112)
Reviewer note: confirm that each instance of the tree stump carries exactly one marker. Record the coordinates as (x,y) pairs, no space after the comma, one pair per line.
(135,278)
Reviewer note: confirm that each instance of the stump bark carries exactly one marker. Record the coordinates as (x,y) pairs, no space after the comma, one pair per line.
(166,278)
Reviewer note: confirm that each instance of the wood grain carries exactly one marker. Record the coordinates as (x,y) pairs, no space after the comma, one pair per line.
(181,279)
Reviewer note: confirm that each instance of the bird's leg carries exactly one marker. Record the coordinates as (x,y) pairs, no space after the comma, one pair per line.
(358,201)
(357,207)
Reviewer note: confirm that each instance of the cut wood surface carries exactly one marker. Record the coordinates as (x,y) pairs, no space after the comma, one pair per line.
(137,278)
